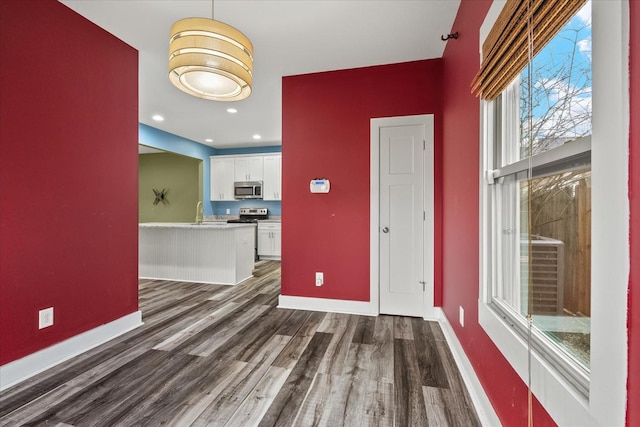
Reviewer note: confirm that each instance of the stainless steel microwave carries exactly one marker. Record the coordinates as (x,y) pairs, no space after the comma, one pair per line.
(247,190)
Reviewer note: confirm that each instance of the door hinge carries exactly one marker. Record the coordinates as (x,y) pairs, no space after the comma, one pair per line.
(424,216)
(423,284)
(424,144)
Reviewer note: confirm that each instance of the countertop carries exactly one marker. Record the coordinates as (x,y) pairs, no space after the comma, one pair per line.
(220,221)
(224,218)
(206,225)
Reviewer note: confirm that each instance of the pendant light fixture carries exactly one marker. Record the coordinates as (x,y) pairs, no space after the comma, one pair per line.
(210,59)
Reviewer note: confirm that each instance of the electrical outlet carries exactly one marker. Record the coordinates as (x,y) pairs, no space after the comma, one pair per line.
(319,278)
(45,318)
(228,211)
(461,316)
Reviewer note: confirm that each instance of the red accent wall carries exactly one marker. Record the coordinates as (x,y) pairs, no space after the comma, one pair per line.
(68,175)
(633,399)
(460,239)
(325,134)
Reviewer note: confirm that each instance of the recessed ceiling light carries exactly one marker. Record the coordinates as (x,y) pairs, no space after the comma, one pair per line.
(208,140)
(157,118)
(256,136)
(231,110)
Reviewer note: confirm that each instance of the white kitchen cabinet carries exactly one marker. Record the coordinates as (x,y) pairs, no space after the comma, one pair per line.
(269,238)
(272,187)
(222,177)
(225,170)
(249,168)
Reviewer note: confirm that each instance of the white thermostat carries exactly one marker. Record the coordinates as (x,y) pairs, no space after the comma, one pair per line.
(320,185)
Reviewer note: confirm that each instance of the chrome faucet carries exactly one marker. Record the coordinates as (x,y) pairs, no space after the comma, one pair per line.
(199,213)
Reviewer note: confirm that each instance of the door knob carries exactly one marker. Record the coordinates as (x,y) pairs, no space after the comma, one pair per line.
(385,230)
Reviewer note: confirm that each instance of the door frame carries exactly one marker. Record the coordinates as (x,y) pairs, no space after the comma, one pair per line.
(429,312)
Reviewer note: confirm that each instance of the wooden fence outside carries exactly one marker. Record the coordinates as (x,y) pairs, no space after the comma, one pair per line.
(561,210)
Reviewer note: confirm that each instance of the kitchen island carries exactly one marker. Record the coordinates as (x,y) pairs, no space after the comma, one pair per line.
(214,252)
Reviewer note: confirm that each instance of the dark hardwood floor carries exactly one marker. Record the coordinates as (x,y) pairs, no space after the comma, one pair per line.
(227,356)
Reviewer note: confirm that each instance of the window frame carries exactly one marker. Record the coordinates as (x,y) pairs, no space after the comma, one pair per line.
(605,399)
(566,157)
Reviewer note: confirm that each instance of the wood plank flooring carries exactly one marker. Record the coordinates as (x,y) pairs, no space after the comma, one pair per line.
(227,356)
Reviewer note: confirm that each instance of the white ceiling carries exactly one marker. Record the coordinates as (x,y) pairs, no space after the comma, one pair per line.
(289,37)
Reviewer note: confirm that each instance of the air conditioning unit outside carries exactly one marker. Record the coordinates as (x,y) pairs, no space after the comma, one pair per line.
(547,275)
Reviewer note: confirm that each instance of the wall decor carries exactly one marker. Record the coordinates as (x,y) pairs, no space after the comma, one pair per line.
(161,196)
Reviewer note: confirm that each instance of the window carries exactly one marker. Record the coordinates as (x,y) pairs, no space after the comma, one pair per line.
(553,157)
(540,200)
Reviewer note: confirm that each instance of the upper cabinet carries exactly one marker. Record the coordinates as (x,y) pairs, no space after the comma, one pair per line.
(249,168)
(272,187)
(222,169)
(225,170)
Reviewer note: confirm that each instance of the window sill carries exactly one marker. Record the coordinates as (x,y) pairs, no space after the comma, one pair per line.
(565,405)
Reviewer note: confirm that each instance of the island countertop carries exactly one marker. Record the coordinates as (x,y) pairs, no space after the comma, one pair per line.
(205,225)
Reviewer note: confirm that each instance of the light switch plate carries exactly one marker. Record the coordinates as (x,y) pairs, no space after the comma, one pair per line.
(319,278)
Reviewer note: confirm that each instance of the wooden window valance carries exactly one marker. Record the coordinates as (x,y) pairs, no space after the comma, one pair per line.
(505,51)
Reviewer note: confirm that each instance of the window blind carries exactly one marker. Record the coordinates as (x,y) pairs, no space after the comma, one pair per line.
(505,51)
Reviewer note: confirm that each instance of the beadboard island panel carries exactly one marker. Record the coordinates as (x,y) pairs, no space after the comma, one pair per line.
(204,253)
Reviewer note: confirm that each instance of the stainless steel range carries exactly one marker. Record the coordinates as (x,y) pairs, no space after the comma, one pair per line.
(251,215)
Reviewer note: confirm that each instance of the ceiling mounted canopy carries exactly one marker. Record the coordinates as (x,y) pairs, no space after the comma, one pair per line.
(210,59)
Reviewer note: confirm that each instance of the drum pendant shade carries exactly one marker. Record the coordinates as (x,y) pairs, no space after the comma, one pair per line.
(210,59)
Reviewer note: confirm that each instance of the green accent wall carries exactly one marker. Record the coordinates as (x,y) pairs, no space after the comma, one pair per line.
(180,176)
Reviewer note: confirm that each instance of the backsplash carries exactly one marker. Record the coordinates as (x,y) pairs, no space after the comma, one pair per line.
(220,208)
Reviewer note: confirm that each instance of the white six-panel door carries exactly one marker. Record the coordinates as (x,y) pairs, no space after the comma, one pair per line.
(404,223)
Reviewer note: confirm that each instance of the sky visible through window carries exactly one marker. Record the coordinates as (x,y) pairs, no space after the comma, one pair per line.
(561,80)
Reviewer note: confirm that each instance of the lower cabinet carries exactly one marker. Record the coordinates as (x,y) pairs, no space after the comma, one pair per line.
(269,236)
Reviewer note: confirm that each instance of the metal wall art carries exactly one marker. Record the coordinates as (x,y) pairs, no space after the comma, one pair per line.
(161,196)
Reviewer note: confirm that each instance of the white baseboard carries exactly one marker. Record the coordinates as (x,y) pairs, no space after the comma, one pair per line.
(19,370)
(484,409)
(270,258)
(433,314)
(362,308)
